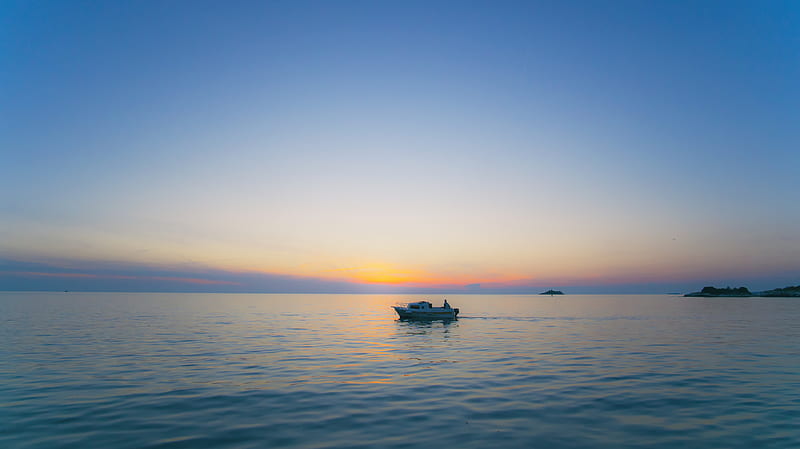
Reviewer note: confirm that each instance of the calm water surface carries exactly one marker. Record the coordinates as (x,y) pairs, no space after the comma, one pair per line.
(90,370)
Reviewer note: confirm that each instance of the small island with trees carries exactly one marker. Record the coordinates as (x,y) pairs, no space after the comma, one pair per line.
(781,292)
(552,292)
(744,292)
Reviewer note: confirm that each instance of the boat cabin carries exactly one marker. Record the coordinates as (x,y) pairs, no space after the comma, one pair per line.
(422,305)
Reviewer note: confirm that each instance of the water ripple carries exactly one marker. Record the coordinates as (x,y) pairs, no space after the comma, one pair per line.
(247,371)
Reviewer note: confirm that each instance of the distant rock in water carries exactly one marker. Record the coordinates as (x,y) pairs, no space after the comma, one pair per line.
(552,292)
(785,292)
(727,291)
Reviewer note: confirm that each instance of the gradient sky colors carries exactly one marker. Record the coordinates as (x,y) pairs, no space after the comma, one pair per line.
(399,146)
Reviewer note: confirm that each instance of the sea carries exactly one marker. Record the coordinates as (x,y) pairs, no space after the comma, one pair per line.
(154,370)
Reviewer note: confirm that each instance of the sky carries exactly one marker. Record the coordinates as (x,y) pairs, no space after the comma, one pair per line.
(360,146)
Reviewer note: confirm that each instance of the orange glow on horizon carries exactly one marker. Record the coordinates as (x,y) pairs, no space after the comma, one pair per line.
(388,274)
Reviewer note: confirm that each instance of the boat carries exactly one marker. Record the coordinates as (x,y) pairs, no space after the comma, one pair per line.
(424,310)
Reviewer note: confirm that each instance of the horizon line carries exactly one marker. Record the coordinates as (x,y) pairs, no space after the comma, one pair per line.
(332,293)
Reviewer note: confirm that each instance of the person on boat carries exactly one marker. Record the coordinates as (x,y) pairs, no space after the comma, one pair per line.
(446,305)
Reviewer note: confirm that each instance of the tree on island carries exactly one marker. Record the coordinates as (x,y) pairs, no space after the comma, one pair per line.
(552,292)
(727,291)
(785,292)
(741,292)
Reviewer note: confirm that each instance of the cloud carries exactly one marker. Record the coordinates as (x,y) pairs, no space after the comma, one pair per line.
(111,276)
(117,276)
(35,274)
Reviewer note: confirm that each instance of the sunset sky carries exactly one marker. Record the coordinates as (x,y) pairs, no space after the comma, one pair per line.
(341,146)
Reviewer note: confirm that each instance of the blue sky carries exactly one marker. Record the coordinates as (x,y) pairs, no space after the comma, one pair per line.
(402,145)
